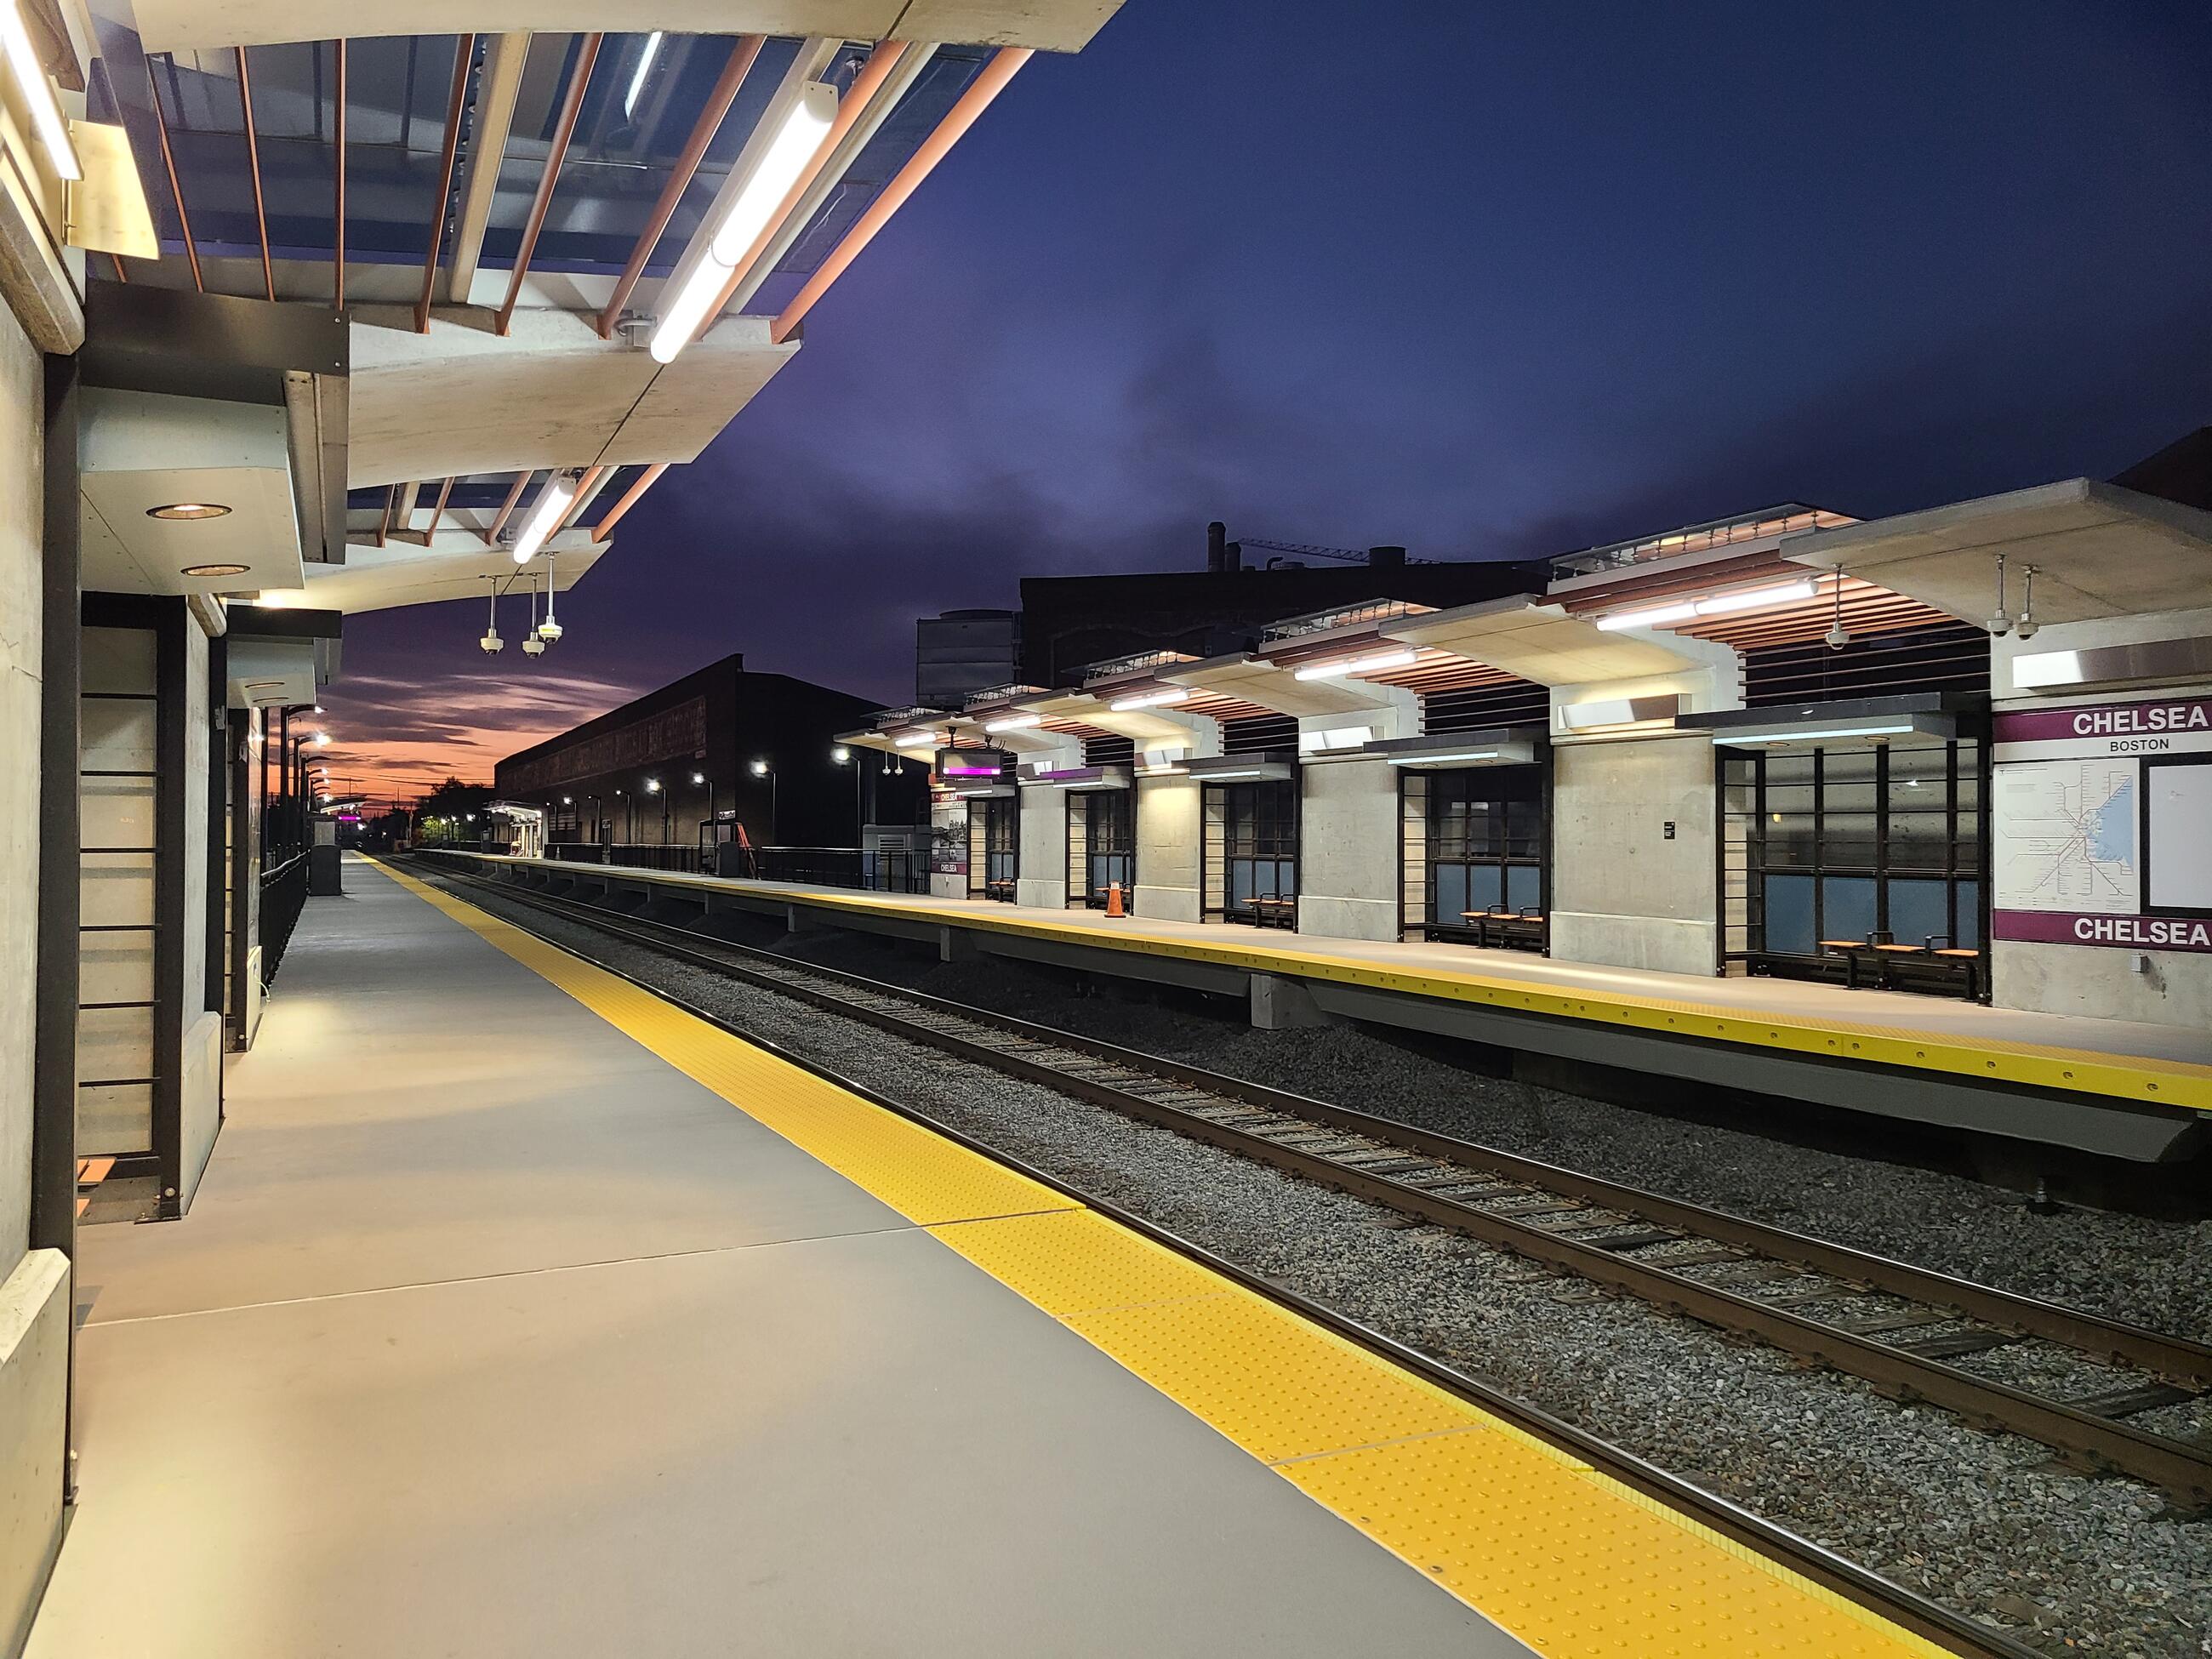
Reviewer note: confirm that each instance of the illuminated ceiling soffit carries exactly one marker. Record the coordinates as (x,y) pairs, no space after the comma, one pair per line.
(463,400)
(1542,643)
(457,567)
(1252,680)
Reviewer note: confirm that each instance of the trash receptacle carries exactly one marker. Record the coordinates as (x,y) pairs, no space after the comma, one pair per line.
(323,872)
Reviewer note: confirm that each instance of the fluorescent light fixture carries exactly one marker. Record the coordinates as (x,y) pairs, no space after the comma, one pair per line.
(38,92)
(805,126)
(1436,760)
(1170,770)
(637,76)
(1717,604)
(1151,699)
(1239,773)
(1751,598)
(913,739)
(1817,735)
(1014,723)
(545,517)
(1656,617)
(1362,665)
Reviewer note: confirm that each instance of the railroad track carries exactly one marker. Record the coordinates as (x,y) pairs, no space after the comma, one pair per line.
(1895,1326)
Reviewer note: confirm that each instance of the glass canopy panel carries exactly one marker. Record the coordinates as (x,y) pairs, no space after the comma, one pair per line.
(622,153)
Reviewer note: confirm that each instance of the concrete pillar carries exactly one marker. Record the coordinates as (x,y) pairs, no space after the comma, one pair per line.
(954,945)
(1282,1004)
(1348,874)
(1635,870)
(1043,877)
(1169,836)
(34,1283)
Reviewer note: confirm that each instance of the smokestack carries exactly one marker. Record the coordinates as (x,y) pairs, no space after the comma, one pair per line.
(1217,552)
(1385,558)
(1233,557)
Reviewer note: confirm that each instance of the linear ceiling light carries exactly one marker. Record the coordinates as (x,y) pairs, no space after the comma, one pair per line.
(551,507)
(1014,723)
(1898,729)
(1150,699)
(805,126)
(637,76)
(913,739)
(1718,605)
(1360,664)
(38,92)
(1434,760)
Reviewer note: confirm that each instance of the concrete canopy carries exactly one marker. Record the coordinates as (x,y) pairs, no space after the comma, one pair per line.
(2098,550)
(456,566)
(1255,680)
(1045,25)
(1540,643)
(463,399)
(1140,726)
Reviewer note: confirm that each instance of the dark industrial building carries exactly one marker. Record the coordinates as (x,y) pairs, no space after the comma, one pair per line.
(724,747)
(1067,623)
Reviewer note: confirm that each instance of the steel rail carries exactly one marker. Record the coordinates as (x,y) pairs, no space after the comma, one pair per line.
(2096,1443)
(743,51)
(1907,1607)
(556,152)
(465,51)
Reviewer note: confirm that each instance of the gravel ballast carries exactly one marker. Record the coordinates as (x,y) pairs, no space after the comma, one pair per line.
(2157,1273)
(1983,1522)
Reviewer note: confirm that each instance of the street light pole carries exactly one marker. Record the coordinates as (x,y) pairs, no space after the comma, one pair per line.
(763,769)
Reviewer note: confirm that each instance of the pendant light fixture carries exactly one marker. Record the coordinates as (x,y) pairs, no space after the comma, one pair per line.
(1839,636)
(2000,623)
(533,646)
(491,643)
(549,631)
(2027,625)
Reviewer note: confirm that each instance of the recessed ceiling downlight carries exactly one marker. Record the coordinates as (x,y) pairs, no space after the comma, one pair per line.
(188,510)
(214,570)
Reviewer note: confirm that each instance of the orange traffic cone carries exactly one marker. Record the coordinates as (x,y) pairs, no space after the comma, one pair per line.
(1113,900)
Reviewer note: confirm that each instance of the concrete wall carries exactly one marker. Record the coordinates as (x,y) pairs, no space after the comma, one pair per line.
(1042,876)
(1168,849)
(34,1298)
(1348,869)
(1623,894)
(2164,987)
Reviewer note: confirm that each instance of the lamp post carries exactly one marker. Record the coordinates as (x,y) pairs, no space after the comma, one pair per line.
(697,780)
(652,787)
(843,757)
(761,769)
(629,814)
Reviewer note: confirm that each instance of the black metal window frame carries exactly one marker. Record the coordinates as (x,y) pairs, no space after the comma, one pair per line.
(1789,826)
(1094,863)
(1498,839)
(1260,836)
(994,845)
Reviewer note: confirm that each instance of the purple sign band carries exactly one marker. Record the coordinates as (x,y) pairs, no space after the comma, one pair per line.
(2108,720)
(2125,933)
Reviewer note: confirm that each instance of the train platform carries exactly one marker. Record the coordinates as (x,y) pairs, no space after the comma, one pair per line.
(522,1312)
(2123,1089)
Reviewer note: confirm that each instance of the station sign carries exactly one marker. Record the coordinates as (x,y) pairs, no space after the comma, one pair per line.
(2162,727)
(2097,826)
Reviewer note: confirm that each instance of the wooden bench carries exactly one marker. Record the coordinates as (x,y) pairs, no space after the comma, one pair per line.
(1500,928)
(1000,890)
(1272,910)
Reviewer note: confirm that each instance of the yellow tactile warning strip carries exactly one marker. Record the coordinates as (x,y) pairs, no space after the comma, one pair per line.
(1563,1558)
(2079,1071)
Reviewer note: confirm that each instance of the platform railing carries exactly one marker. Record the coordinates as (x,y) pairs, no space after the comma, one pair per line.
(283,895)
(878,870)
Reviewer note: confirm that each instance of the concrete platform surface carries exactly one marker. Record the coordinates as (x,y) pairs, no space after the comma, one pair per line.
(490,1333)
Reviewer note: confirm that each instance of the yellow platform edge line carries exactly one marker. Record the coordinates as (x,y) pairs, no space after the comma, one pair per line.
(2146,1078)
(1554,1552)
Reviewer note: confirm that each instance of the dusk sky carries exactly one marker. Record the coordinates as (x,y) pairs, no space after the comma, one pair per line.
(1487,280)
